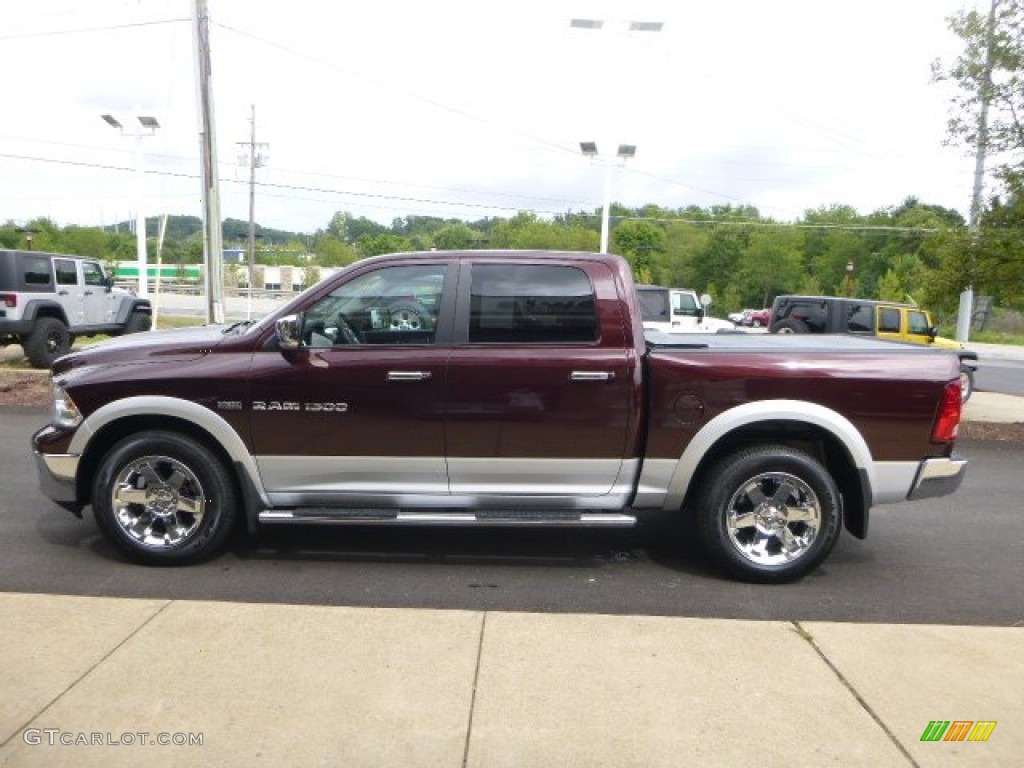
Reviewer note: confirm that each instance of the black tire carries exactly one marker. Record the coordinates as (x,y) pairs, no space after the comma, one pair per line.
(790,325)
(137,323)
(48,340)
(966,383)
(410,316)
(769,543)
(186,501)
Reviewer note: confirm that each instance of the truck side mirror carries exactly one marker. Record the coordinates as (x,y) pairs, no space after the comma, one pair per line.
(933,332)
(108,282)
(288,330)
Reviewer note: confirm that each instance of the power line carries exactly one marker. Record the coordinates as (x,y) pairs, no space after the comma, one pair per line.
(89,30)
(738,222)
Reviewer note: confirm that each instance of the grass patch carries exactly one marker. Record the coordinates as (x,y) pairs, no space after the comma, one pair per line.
(998,337)
(164,322)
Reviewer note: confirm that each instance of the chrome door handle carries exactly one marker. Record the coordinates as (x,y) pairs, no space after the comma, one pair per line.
(591,376)
(408,375)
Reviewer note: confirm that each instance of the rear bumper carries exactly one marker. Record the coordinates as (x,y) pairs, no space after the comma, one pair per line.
(937,477)
(15,327)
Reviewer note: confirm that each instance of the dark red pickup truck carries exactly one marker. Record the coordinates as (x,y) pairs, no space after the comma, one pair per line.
(495,388)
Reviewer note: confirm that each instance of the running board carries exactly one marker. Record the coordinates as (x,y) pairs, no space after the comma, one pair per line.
(488,517)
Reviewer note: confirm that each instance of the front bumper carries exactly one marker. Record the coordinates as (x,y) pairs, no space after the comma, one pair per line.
(937,477)
(57,473)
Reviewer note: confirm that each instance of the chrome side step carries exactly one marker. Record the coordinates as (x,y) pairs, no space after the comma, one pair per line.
(489,517)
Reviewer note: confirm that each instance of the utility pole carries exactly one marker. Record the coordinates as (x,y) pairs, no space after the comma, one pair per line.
(213,249)
(255,160)
(963,320)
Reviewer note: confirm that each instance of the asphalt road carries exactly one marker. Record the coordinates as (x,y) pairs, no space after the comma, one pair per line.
(954,560)
(1006,376)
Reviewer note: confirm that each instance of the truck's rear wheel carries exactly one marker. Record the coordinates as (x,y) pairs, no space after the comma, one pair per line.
(790,325)
(164,499)
(769,514)
(48,340)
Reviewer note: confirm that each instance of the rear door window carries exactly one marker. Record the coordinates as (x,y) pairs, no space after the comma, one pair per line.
(859,318)
(67,271)
(533,304)
(888,320)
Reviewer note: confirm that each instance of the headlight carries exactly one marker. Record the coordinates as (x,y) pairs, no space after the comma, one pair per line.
(64,412)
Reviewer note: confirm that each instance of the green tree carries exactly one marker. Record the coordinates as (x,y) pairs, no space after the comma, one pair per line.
(453,237)
(771,264)
(375,245)
(990,68)
(640,242)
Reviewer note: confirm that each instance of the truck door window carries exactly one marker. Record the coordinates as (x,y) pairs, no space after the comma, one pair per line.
(918,323)
(535,304)
(67,273)
(395,305)
(685,305)
(92,273)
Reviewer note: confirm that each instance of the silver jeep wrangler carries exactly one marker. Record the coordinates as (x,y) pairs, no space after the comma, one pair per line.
(47,299)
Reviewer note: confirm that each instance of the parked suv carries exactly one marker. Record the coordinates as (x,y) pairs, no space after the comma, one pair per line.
(47,299)
(883,319)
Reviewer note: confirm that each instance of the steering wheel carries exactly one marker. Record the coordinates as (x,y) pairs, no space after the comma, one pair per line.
(346,332)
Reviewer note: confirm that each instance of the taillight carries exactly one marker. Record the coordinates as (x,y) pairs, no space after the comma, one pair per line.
(10,299)
(947,420)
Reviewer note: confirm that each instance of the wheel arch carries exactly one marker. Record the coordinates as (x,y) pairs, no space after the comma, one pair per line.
(115,421)
(35,309)
(132,305)
(823,433)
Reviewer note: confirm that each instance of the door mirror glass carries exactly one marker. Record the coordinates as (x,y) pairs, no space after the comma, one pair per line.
(288,331)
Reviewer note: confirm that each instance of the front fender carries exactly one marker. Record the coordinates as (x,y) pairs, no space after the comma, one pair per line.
(155,405)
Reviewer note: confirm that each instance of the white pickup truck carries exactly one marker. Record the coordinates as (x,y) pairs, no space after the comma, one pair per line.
(676,310)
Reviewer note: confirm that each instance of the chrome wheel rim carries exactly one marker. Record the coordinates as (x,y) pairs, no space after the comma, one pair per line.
(773,519)
(158,501)
(785,330)
(54,342)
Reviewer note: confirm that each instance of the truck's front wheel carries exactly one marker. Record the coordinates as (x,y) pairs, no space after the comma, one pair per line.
(164,499)
(769,514)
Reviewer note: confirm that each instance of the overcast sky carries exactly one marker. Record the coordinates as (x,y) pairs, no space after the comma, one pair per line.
(469,108)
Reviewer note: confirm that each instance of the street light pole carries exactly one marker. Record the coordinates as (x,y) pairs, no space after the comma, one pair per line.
(625,152)
(149,126)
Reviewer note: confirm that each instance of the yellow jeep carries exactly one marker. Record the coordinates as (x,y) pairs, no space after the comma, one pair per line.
(883,319)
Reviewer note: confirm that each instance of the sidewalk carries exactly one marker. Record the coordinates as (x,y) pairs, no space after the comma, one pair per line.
(296,685)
